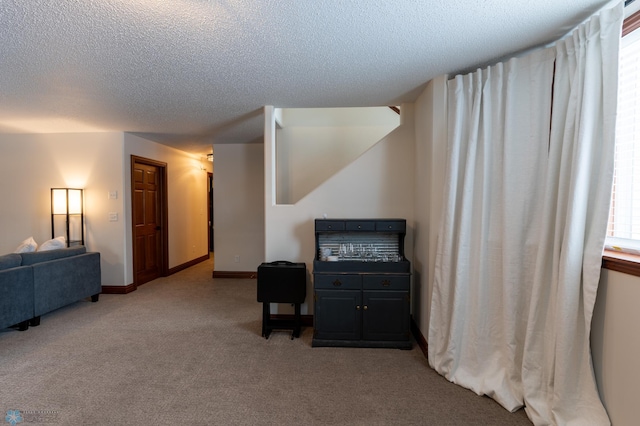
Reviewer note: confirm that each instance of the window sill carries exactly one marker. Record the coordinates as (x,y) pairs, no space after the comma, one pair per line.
(621,262)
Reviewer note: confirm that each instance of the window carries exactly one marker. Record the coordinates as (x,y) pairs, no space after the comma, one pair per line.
(623,230)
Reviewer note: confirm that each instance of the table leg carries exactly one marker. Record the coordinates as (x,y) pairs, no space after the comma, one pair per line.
(266,312)
(298,321)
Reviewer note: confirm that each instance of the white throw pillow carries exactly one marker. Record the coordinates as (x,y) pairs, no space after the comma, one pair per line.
(56,243)
(27,246)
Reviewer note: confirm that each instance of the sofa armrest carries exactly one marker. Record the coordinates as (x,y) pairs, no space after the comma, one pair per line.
(16,296)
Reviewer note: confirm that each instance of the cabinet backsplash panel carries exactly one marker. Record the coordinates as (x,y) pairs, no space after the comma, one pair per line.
(363,245)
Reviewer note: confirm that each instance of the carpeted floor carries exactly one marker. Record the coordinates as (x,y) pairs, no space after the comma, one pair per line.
(187,350)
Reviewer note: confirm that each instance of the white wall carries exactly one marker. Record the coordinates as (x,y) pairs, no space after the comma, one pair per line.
(187,194)
(314,143)
(31,164)
(238,206)
(307,156)
(337,117)
(378,184)
(615,345)
(430,158)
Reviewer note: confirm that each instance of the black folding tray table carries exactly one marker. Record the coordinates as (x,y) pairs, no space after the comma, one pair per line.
(281,282)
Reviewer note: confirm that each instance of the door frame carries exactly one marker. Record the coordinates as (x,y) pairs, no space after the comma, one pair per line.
(210,211)
(164,215)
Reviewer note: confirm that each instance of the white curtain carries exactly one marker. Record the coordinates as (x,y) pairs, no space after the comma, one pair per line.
(529,173)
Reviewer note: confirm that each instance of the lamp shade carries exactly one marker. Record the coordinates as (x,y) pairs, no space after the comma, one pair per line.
(75,201)
(59,200)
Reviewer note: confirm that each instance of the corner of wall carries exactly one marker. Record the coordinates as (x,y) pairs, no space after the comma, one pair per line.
(430,158)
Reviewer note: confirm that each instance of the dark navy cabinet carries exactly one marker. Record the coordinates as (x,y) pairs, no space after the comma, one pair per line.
(362,294)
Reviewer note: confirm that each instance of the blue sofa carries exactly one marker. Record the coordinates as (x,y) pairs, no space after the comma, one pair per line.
(33,284)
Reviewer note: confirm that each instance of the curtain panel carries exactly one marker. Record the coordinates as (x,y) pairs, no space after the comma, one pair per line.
(529,174)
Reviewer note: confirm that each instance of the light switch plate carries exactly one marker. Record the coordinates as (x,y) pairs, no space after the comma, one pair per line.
(113,217)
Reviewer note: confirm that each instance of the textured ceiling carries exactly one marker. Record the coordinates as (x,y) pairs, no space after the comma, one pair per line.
(188,73)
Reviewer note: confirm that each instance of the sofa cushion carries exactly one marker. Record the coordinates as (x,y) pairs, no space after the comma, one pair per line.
(10,261)
(27,246)
(53,244)
(43,256)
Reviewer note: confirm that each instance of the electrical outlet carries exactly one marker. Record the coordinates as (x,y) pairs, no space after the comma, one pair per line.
(236,258)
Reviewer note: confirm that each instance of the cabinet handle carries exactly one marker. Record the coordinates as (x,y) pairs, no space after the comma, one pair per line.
(365,307)
(357,307)
(386,283)
(359,227)
(337,283)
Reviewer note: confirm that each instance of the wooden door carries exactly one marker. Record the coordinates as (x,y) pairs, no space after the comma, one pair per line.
(148,243)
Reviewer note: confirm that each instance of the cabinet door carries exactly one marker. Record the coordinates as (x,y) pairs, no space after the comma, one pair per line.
(386,315)
(338,314)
